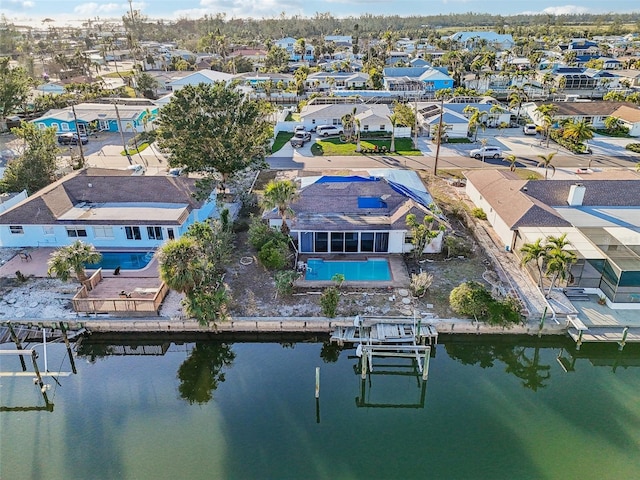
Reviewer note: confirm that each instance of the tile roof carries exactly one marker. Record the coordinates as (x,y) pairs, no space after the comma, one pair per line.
(100,186)
(627,113)
(588,108)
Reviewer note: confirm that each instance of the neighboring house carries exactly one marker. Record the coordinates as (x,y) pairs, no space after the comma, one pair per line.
(488,118)
(339,40)
(99,116)
(594,113)
(358,214)
(8,200)
(475,39)
(397,57)
(107,208)
(630,117)
(258,80)
(600,217)
(322,81)
(202,76)
(313,115)
(456,124)
(426,78)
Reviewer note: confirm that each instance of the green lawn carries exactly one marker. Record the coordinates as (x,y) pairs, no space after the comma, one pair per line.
(335,147)
(132,150)
(281,140)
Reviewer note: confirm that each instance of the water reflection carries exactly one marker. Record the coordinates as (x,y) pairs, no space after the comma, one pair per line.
(202,372)
(521,361)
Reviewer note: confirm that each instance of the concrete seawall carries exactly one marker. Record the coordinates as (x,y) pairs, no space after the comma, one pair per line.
(281,325)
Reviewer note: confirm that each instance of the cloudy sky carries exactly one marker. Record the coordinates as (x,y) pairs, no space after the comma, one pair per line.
(68,10)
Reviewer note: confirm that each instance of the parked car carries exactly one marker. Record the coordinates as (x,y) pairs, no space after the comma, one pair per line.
(300,138)
(72,139)
(486,152)
(326,130)
(529,129)
(299,128)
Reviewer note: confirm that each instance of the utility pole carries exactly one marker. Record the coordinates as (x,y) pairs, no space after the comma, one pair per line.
(79,140)
(124,144)
(439,139)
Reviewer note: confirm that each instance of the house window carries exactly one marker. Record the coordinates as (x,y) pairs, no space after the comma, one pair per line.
(103,125)
(321,242)
(382,128)
(133,233)
(170,234)
(313,121)
(64,127)
(382,242)
(351,242)
(154,233)
(103,232)
(336,121)
(76,232)
(16,229)
(366,242)
(337,242)
(365,128)
(48,230)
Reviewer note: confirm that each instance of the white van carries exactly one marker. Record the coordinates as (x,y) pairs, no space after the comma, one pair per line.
(529,129)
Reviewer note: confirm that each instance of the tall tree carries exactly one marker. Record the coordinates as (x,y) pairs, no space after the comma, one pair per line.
(14,89)
(577,132)
(214,130)
(535,252)
(280,194)
(35,167)
(72,260)
(545,162)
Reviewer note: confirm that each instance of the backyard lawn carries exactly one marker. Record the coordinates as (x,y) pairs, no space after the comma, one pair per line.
(335,147)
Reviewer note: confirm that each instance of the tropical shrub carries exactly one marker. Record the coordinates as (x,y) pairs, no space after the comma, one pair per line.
(273,254)
(471,299)
(634,147)
(284,281)
(479,213)
(329,302)
(420,282)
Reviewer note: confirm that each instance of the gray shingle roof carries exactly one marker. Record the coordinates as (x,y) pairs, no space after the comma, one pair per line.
(97,186)
(601,193)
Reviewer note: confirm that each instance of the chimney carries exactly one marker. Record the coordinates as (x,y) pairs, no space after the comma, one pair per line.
(576,195)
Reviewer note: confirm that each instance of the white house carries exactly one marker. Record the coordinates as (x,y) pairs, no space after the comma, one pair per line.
(107,208)
(201,76)
(361,213)
(374,117)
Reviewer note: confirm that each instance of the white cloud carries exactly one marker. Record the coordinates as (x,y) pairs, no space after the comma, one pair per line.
(93,9)
(243,8)
(21,3)
(561,10)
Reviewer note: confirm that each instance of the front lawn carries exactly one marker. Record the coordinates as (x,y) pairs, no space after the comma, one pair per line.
(335,147)
(132,150)
(281,140)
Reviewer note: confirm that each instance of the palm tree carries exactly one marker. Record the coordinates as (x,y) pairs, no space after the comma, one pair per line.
(559,262)
(516,98)
(545,162)
(535,252)
(578,132)
(393,118)
(357,122)
(72,259)
(280,194)
(181,264)
(512,159)
(638,167)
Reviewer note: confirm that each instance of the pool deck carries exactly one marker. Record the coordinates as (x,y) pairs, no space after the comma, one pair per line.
(397,267)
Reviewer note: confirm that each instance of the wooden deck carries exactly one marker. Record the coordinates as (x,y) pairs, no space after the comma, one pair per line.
(131,295)
(386,330)
(619,335)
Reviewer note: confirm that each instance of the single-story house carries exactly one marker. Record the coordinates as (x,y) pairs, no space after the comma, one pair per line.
(600,217)
(374,117)
(361,213)
(594,113)
(491,119)
(630,118)
(107,208)
(201,76)
(104,117)
(456,124)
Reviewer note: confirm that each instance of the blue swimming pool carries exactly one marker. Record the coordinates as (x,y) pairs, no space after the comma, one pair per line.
(371,270)
(124,260)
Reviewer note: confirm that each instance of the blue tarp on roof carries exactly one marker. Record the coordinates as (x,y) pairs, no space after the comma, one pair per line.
(339,179)
(423,198)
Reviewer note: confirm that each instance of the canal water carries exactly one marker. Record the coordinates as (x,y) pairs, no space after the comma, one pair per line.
(494,408)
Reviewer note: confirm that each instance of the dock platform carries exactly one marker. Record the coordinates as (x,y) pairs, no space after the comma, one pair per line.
(386,330)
